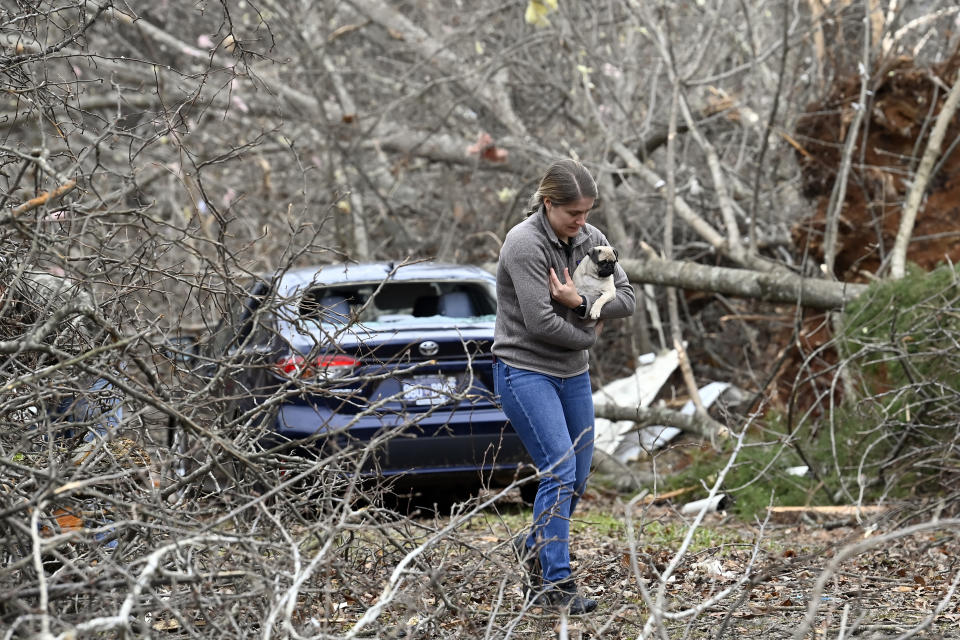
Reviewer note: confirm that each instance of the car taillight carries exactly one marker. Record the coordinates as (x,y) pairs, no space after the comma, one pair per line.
(325,366)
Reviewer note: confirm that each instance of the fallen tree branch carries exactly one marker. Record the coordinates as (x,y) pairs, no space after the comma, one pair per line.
(434,147)
(833,510)
(702,425)
(777,286)
(684,210)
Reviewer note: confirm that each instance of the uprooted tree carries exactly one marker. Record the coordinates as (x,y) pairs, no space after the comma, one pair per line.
(154,159)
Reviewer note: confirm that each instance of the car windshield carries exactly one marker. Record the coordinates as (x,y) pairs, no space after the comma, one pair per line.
(375,304)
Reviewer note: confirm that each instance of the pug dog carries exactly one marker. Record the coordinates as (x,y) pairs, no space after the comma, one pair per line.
(594,277)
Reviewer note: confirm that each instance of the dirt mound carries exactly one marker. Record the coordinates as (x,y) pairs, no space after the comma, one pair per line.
(904,104)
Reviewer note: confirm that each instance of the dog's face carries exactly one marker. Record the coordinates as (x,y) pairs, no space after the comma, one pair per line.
(605,258)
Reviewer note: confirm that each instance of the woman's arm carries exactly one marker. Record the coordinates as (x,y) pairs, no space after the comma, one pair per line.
(529,271)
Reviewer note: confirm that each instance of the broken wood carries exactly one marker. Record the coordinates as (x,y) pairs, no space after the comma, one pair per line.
(827,516)
(833,510)
(668,495)
(44,198)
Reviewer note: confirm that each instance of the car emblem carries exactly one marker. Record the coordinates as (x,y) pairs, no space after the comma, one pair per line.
(429,348)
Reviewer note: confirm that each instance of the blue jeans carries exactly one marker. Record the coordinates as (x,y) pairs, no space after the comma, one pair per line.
(554,419)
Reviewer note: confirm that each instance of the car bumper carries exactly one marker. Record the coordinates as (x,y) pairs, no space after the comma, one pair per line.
(469,443)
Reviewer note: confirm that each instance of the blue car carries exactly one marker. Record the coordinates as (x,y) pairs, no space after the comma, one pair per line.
(393,360)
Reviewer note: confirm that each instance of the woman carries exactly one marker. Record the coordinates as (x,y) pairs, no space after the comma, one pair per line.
(541,364)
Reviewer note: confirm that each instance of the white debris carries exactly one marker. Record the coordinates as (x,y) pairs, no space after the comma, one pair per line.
(719,502)
(639,390)
(712,568)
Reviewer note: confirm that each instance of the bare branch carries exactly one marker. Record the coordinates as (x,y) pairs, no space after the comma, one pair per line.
(898,255)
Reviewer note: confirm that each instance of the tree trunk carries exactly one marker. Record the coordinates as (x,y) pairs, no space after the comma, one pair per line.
(770,287)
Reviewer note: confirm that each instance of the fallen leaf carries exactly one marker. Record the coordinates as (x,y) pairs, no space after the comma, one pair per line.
(537,10)
(166,625)
(485,148)
(483,141)
(495,154)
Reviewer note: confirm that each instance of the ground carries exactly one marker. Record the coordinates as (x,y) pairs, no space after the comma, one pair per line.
(756,581)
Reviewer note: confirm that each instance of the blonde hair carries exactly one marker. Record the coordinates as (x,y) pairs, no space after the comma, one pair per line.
(565,181)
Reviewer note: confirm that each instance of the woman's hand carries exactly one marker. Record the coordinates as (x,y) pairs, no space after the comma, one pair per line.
(564,292)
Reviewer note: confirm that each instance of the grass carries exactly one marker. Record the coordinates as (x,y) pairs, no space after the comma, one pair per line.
(600,523)
(592,522)
(757,479)
(670,535)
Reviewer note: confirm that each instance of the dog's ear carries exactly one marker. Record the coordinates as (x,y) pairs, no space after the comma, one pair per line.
(595,255)
(615,253)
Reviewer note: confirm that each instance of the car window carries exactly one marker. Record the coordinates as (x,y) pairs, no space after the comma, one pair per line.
(399,302)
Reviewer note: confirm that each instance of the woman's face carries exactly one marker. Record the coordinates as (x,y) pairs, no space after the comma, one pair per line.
(568,219)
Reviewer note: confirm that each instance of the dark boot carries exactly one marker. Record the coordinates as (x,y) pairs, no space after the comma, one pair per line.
(566,596)
(529,562)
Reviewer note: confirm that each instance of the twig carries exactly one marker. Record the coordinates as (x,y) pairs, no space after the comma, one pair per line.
(855,549)
(839,193)
(38,566)
(122,618)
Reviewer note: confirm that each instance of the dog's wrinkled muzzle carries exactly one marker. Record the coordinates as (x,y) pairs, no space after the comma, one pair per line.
(605,269)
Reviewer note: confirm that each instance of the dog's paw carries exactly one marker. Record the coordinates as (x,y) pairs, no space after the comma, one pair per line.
(595,312)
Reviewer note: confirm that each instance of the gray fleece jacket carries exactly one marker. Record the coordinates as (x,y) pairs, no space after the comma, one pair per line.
(533,331)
